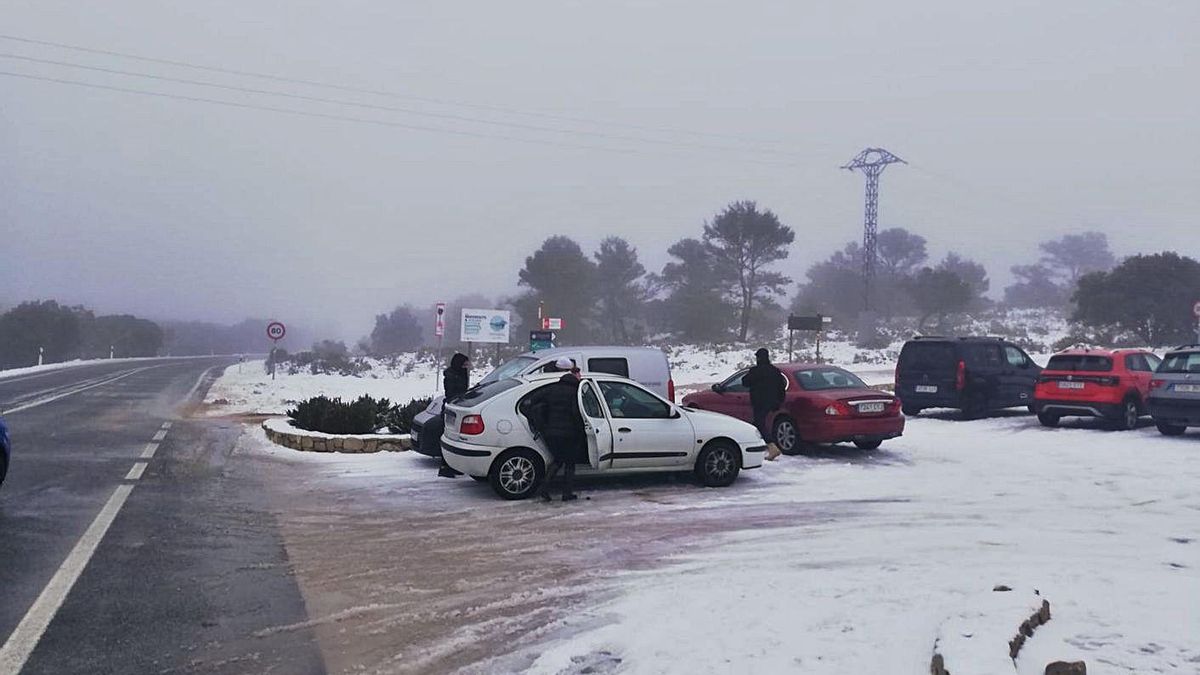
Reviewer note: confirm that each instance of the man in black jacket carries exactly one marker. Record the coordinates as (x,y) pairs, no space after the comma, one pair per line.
(456,379)
(555,411)
(767,391)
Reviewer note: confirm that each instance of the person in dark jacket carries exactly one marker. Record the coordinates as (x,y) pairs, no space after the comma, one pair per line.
(767,391)
(560,423)
(456,380)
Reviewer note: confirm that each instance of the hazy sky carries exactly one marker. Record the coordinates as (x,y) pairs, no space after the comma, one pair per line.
(1022,121)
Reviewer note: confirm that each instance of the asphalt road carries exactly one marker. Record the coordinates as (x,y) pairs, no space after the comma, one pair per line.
(192,568)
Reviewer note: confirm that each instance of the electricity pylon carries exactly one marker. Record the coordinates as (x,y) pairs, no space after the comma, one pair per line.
(871,162)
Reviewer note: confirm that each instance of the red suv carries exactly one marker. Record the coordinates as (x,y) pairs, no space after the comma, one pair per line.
(1111,384)
(823,404)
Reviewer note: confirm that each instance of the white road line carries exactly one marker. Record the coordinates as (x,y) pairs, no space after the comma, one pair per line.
(159,435)
(149,451)
(196,387)
(139,467)
(166,425)
(51,399)
(25,637)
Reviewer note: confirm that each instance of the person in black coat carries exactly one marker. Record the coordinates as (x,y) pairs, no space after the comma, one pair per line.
(767,391)
(555,411)
(456,380)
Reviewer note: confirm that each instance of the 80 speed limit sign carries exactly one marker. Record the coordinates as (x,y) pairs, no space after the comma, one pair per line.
(276,330)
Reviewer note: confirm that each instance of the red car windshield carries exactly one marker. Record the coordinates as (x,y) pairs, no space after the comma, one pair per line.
(819,379)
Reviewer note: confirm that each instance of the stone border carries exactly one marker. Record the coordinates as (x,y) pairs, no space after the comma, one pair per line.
(280,430)
(1040,615)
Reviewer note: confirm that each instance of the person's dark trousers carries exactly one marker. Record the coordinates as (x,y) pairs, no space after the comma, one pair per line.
(760,421)
(434,429)
(562,451)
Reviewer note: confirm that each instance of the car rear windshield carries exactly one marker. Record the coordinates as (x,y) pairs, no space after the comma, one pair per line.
(928,356)
(1083,363)
(509,369)
(484,391)
(818,379)
(1184,362)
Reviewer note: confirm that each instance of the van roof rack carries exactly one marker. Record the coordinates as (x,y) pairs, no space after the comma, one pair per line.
(1191,346)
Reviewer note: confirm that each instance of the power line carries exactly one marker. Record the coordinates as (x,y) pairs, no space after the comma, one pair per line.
(346,118)
(378,92)
(407,111)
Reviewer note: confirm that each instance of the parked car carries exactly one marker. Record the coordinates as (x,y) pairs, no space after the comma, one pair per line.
(822,404)
(1112,384)
(647,365)
(1175,391)
(630,429)
(973,374)
(5,449)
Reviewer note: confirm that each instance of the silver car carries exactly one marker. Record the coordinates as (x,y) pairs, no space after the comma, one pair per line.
(1175,391)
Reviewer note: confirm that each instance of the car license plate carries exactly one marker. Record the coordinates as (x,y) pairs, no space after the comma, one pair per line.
(1070,385)
(1188,388)
(870,407)
(926,389)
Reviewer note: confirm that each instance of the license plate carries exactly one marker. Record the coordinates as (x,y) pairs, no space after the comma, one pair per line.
(1070,385)
(926,389)
(870,407)
(1188,388)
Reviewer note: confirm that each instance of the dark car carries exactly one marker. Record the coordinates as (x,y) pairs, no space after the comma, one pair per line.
(1175,391)
(5,448)
(973,374)
(823,404)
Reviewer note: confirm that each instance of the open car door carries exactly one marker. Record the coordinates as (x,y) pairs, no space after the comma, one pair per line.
(596,426)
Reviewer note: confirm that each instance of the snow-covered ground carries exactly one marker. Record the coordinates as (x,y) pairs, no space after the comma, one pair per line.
(47,367)
(840,561)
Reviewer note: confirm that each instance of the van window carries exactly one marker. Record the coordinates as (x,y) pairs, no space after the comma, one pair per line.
(928,356)
(612,366)
(983,355)
(1085,363)
(1015,357)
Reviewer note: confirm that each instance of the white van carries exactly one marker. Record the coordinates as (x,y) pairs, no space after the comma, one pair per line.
(647,366)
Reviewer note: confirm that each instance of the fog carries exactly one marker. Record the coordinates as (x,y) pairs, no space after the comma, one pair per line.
(1021,121)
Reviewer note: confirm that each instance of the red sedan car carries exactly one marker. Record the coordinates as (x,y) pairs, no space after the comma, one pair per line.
(824,404)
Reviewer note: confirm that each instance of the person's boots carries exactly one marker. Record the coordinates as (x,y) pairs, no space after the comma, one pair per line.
(773,452)
(570,497)
(444,471)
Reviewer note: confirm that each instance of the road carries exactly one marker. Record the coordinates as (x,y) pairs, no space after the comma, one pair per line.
(191,563)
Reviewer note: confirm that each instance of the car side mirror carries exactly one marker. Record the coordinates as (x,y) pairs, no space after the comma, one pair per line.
(718,388)
(675,414)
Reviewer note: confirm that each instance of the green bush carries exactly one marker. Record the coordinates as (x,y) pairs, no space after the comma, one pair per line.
(399,419)
(334,416)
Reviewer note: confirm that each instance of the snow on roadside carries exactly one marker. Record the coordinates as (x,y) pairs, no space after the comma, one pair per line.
(1106,525)
(47,367)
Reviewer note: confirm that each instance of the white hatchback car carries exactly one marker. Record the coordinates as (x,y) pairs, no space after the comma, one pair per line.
(630,429)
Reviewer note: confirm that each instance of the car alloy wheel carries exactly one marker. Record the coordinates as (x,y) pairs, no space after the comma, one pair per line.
(719,464)
(516,474)
(785,434)
(1130,418)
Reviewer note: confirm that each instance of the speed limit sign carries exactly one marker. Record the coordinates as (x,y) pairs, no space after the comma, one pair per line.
(276,330)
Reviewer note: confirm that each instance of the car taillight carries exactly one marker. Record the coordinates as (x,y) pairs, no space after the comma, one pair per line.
(960,376)
(472,425)
(1157,384)
(671,390)
(894,405)
(837,408)
(1110,381)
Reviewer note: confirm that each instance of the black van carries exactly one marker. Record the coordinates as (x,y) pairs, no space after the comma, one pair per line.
(972,374)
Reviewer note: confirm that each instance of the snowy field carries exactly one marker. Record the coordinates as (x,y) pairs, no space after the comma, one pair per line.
(838,561)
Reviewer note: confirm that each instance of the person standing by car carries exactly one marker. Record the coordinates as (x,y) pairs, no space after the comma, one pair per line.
(554,412)
(456,380)
(768,389)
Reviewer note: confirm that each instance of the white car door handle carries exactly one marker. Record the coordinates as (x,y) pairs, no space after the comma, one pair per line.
(625,430)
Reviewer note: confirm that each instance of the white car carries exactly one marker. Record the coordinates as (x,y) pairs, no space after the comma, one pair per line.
(630,429)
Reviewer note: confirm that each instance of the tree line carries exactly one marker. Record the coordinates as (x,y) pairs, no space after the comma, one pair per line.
(726,284)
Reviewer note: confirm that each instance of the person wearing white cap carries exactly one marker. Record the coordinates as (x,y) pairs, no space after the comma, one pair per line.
(555,408)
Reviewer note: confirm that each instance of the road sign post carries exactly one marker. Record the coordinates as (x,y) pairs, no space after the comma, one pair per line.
(815,323)
(439,329)
(275,331)
(541,339)
(1196,313)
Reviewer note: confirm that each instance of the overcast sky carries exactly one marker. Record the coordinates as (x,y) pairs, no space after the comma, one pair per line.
(1022,121)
